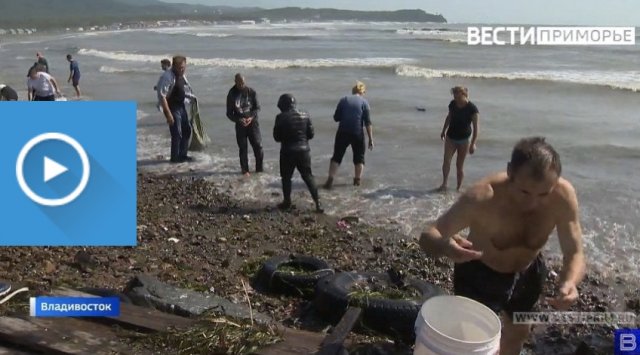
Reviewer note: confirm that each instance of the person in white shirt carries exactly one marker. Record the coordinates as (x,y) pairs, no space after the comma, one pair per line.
(41,86)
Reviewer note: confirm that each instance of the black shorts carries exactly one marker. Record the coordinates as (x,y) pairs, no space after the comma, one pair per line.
(343,140)
(509,292)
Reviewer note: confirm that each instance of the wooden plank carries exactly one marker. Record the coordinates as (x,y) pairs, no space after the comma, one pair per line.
(332,344)
(295,342)
(83,332)
(4,350)
(132,316)
(21,332)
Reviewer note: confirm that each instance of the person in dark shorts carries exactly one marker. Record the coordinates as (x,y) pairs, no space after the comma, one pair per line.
(42,61)
(7,93)
(293,130)
(510,216)
(74,74)
(456,133)
(173,93)
(242,109)
(353,113)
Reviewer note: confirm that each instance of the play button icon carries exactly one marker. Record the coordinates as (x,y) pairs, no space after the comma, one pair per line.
(53,169)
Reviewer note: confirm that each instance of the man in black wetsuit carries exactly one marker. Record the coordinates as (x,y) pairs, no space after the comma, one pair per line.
(293,129)
(242,109)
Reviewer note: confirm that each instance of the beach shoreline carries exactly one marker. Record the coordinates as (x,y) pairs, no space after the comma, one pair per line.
(218,237)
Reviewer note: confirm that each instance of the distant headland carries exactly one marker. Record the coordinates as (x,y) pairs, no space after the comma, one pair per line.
(73,13)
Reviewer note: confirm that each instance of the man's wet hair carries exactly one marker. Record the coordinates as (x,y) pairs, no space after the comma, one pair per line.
(166,62)
(69,57)
(460,89)
(536,153)
(179,59)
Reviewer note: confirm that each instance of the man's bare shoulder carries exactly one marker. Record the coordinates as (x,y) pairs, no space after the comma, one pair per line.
(484,190)
(566,194)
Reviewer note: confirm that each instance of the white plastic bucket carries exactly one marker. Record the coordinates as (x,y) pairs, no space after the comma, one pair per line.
(454,325)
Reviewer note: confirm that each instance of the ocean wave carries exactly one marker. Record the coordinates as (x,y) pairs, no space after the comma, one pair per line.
(437,34)
(114,70)
(629,80)
(254,63)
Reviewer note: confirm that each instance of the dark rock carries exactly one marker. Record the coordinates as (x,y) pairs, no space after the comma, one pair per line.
(84,261)
(146,290)
(351,219)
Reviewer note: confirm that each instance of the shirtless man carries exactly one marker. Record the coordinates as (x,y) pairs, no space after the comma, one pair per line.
(510,216)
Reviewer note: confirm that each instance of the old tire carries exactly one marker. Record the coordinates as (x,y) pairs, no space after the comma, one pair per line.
(270,279)
(389,316)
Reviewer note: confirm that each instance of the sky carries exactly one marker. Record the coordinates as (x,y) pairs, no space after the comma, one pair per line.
(549,12)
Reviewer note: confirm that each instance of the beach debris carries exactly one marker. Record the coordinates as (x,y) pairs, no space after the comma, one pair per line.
(421,108)
(351,219)
(246,217)
(84,261)
(49,267)
(175,240)
(342,225)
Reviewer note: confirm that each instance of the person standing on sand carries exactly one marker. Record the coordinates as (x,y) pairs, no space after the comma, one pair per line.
(173,92)
(353,114)
(456,132)
(510,216)
(242,109)
(74,74)
(42,61)
(293,130)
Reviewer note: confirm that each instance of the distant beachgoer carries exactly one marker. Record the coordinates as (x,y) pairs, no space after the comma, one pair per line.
(293,130)
(7,93)
(242,109)
(43,61)
(41,86)
(74,74)
(165,64)
(174,92)
(510,216)
(353,114)
(456,133)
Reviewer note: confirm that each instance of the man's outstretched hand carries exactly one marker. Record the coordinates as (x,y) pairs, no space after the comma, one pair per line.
(567,296)
(460,250)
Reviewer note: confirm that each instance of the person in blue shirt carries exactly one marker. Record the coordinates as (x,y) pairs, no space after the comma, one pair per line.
(74,74)
(353,114)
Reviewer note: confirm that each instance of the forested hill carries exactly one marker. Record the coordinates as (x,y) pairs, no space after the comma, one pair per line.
(63,13)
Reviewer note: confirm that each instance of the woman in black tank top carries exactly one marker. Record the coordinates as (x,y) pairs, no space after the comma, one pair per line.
(457,130)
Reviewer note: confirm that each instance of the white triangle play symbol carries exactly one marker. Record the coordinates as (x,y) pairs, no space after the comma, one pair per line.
(52,169)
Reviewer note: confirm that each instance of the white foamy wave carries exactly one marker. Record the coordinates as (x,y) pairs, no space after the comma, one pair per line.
(623,80)
(114,70)
(189,31)
(217,35)
(255,63)
(435,35)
